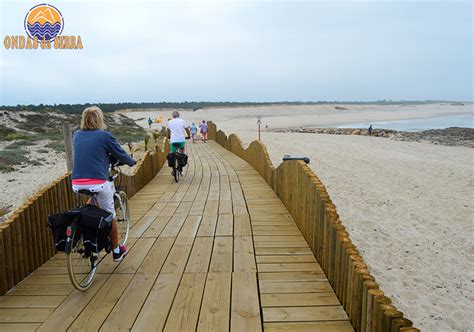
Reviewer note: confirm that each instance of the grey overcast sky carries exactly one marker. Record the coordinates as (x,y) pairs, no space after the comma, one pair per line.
(244,51)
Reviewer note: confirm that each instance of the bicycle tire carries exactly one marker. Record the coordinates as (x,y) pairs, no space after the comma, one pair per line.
(176,175)
(81,269)
(122,217)
(175,169)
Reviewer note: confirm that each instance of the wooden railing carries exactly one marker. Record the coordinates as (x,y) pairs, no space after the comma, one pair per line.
(308,202)
(25,239)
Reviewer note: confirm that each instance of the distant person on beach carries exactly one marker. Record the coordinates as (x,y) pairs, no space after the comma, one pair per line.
(204,129)
(94,150)
(194,131)
(370,130)
(150,121)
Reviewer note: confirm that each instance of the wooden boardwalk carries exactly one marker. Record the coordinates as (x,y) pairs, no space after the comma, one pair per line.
(217,251)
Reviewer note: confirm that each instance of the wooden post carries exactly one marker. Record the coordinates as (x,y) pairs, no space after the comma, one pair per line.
(68,145)
(3,266)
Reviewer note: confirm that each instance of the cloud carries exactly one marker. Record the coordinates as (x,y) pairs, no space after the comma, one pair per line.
(152,51)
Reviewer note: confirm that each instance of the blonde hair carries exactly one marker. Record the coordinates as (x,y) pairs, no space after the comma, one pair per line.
(92,119)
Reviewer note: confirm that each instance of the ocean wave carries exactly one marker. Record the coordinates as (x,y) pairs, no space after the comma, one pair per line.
(46,30)
(45,25)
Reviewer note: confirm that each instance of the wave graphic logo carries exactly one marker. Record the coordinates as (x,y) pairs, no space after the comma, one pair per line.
(44,22)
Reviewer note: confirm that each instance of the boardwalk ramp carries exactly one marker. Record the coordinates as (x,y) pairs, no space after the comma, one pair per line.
(217,251)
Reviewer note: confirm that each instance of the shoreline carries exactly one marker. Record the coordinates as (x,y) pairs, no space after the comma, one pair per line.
(452,136)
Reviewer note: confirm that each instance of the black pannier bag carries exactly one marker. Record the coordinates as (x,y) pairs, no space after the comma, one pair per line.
(170,157)
(58,224)
(182,160)
(95,225)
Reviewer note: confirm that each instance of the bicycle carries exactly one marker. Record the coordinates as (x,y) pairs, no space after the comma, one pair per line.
(177,171)
(81,263)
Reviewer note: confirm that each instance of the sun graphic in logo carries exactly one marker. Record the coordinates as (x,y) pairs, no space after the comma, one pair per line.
(44,22)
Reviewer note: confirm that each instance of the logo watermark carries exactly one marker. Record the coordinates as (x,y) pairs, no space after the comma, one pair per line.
(43,24)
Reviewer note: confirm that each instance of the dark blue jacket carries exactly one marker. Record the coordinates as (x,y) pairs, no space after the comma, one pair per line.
(92,152)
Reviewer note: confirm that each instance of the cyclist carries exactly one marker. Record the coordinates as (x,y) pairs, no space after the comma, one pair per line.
(176,129)
(93,149)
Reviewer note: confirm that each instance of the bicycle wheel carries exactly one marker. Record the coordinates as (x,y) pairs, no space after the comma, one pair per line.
(81,266)
(122,217)
(176,169)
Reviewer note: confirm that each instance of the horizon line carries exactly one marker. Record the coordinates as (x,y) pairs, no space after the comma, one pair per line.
(286,102)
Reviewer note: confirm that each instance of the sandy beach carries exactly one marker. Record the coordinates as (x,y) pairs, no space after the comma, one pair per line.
(407,205)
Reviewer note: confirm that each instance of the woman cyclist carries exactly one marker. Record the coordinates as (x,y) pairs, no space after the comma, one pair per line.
(93,149)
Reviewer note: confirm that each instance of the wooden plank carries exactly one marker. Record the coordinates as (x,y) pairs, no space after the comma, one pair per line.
(173,226)
(269,216)
(30,301)
(225,225)
(335,326)
(41,279)
(244,256)
(190,226)
(35,315)
(295,287)
(302,299)
(128,307)
(94,314)
(245,312)
(141,226)
(200,255)
(20,327)
(283,238)
(242,225)
(42,290)
(264,209)
(132,261)
(215,308)
(211,208)
(185,310)
(156,257)
(286,259)
(157,227)
(272,232)
(208,225)
(280,267)
(178,255)
(290,276)
(71,307)
(225,206)
(286,244)
(301,314)
(221,260)
(273,227)
(154,312)
(283,251)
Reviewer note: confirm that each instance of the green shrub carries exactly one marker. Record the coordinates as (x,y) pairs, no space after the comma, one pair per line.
(18,144)
(5,131)
(57,146)
(11,158)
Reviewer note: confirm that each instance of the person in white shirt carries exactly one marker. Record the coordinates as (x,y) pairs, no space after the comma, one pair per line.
(177,128)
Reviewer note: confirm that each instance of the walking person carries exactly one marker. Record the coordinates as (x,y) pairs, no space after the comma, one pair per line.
(150,121)
(370,130)
(193,132)
(204,129)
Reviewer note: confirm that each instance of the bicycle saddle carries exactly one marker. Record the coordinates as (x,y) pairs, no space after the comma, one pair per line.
(87,192)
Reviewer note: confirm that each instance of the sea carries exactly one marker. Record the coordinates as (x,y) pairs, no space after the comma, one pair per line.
(442,122)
